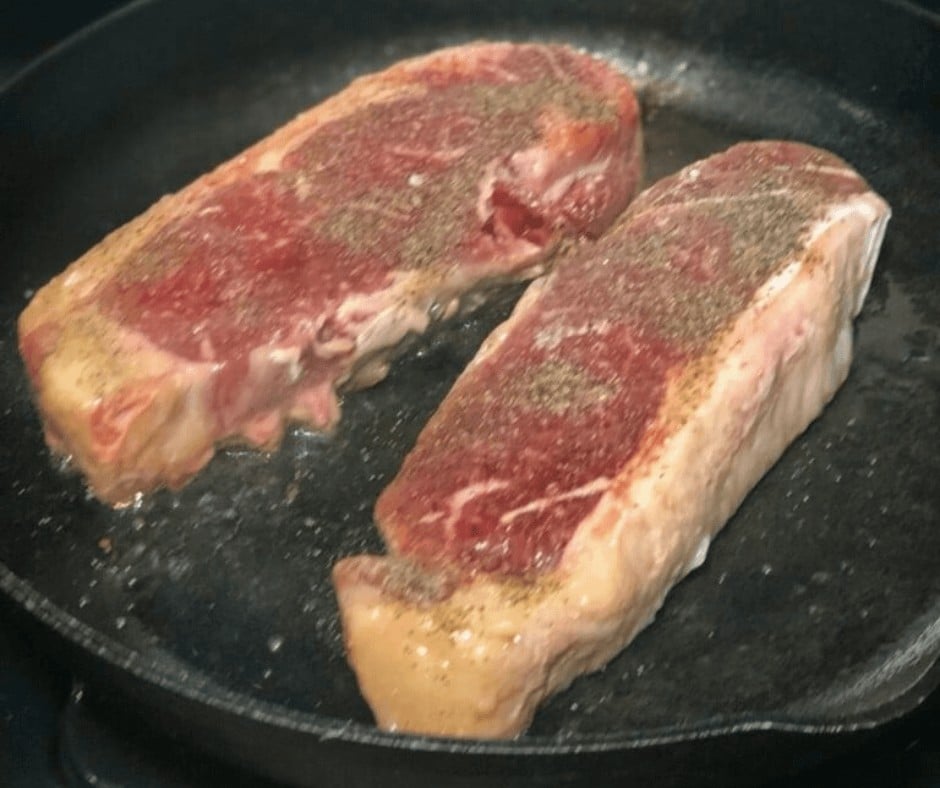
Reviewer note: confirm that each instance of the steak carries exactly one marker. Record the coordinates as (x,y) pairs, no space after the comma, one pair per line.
(604,433)
(247,299)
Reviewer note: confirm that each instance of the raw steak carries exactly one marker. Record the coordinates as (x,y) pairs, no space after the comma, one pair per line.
(246,299)
(604,433)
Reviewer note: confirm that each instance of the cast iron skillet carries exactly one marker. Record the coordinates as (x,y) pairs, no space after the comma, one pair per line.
(818,611)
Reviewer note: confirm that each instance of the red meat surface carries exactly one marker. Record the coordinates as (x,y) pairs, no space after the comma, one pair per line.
(583,461)
(246,300)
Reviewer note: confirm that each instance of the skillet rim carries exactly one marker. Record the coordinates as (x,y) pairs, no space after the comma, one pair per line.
(148,670)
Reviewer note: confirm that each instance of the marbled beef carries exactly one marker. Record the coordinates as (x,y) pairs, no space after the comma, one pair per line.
(603,434)
(246,299)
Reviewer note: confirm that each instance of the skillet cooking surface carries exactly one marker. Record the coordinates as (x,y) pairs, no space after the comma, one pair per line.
(819,605)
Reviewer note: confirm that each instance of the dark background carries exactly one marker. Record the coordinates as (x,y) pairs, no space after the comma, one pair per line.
(29,28)
(34,689)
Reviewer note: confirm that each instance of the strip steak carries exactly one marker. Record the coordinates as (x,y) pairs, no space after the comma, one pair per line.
(245,300)
(604,434)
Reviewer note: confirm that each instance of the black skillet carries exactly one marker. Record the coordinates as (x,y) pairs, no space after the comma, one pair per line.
(818,612)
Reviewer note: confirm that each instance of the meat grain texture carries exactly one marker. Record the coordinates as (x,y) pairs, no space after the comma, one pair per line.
(244,301)
(584,460)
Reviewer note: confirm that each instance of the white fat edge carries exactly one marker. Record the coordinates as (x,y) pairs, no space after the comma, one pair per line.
(880,213)
(331,348)
(778,282)
(599,557)
(561,185)
(391,325)
(149,356)
(485,190)
(266,363)
(532,166)
(270,160)
(288,357)
(190,377)
(604,580)
(701,553)
(390,315)
(842,354)
(259,365)
(311,402)
(82,279)
(875,213)
(408,305)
